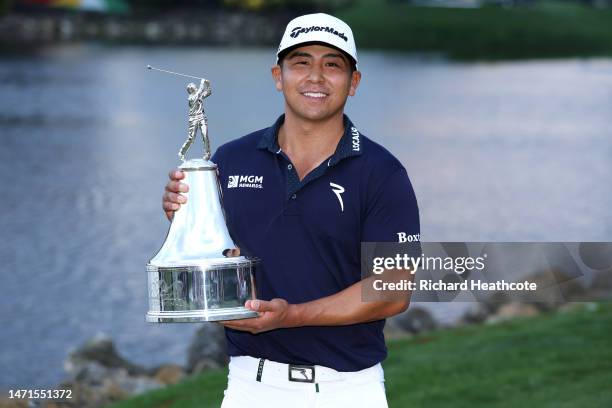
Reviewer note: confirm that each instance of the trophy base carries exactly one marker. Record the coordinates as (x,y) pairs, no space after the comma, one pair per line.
(212,291)
(196,316)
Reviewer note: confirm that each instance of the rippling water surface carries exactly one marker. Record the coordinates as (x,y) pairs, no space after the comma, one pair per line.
(496,151)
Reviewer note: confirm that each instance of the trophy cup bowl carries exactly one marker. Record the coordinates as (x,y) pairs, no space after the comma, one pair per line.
(191,279)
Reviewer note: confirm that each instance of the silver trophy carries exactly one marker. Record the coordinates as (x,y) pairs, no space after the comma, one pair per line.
(198,274)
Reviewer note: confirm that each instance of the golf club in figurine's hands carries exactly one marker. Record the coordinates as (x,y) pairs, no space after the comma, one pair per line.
(198,275)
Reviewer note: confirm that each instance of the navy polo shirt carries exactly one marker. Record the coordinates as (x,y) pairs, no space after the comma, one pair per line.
(308,235)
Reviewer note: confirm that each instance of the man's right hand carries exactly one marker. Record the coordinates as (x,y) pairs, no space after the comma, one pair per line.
(172,198)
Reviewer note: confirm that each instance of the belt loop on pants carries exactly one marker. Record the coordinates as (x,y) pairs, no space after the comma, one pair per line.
(260,369)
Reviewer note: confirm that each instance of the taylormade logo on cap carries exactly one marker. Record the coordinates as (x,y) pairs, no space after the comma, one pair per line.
(320,28)
(298,30)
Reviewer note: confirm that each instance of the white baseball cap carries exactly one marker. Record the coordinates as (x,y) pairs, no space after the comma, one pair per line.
(318,28)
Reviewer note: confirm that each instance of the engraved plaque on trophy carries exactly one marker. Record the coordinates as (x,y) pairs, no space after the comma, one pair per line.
(197,275)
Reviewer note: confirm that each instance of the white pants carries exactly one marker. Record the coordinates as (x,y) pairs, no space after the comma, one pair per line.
(330,389)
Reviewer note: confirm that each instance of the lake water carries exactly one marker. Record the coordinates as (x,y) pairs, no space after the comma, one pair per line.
(515,151)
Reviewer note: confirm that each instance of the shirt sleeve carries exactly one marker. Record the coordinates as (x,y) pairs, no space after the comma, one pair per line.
(392,213)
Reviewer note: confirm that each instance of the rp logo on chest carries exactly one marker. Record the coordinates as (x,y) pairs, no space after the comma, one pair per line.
(338,190)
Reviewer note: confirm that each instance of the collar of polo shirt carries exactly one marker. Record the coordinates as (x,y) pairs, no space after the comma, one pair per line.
(349,144)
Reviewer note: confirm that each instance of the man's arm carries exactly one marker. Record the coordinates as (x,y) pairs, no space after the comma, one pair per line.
(342,308)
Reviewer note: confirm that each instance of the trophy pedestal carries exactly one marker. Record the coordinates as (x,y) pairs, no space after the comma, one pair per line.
(191,278)
(184,294)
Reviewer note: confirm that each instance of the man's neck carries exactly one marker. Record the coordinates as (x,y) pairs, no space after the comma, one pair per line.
(308,143)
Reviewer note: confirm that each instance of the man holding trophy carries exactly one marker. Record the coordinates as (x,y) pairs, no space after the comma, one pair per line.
(302,195)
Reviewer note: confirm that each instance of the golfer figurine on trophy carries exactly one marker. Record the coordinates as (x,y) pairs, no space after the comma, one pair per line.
(197,118)
(198,274)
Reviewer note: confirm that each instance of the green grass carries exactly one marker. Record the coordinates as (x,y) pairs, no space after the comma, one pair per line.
(561,360)
(205,390)
(546,29)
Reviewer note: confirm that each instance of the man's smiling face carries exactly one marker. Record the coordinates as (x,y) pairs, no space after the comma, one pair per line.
(316,81)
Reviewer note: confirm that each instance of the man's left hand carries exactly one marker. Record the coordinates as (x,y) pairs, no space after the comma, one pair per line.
(273,314)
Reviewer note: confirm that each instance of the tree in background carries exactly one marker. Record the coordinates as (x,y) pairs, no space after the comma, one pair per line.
(304,5)
(153,6)
(5,5)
